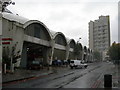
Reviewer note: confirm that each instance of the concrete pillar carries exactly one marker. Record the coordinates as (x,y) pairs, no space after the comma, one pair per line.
(82,54)
(85,56)
(49,50)
(67,52)
(45,55)
(52,42)
(88,57)
(24,57)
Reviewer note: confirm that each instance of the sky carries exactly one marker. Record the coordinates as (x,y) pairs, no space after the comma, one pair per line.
(71,17)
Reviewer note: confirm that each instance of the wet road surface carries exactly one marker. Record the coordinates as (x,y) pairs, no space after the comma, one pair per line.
(92,77)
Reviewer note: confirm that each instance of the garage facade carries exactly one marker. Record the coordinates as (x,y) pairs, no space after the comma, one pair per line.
(32,40)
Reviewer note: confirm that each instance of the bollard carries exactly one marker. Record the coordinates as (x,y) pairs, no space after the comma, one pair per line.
(108,81)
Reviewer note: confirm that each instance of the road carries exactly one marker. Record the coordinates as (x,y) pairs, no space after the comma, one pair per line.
(92,77)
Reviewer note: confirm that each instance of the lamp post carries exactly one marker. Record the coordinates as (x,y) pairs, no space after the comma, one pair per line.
(77,50)
(78,40)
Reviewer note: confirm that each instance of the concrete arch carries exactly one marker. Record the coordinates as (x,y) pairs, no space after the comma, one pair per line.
(88,50)
(85,57)
(81,47)
(85,49)
(91,51)
(80,55)
(88,55)
(71,45)
(71,41)
(39,22)
(36,43)
(61,34)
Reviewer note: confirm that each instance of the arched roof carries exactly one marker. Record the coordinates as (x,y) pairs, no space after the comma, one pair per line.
(70,40)
(39,22)
(88,50)
(71,43)
(13,17)
(24,21)
(85,48)
(59,33)
(81,46)
(91,50)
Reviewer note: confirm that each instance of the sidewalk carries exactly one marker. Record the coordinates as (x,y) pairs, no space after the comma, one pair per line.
(114,71)
(21,74)
(116,77)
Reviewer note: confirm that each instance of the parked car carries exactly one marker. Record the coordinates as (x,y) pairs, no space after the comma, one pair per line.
(65,62)
(77,64)
(35,65)
(59,62)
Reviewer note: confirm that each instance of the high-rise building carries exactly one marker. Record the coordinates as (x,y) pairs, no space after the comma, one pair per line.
(99,35)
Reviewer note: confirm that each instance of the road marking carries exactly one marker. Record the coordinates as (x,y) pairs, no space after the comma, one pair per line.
(97,83)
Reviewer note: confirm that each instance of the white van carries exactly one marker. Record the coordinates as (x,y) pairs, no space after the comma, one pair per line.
(77,63)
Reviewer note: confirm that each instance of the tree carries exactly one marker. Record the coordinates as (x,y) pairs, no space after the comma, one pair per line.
(7,55)
(96,55)
(114,53)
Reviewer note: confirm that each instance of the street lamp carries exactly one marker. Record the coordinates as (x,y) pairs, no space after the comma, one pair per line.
(78,47)
(78,40)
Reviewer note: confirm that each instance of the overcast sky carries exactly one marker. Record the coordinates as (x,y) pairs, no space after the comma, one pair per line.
(71,17)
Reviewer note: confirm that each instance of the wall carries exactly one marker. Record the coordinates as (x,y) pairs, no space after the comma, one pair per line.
(15,31)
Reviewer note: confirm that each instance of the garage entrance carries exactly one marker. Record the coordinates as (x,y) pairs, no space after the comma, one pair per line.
(33,52)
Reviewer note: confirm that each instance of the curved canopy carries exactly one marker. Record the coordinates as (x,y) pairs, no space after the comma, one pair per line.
(13,17)
(88,50)
(91,51)
(60,38)
(39,25)
(72,43)
(71,40)
(81,48)
(85,48)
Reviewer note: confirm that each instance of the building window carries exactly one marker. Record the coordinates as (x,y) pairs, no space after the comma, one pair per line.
(36,31)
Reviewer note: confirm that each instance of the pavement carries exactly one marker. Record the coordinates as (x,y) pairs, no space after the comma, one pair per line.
(116,76)
(21,74)
(114,71)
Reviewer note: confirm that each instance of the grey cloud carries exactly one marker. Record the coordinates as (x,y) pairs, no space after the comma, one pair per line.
(68,16)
